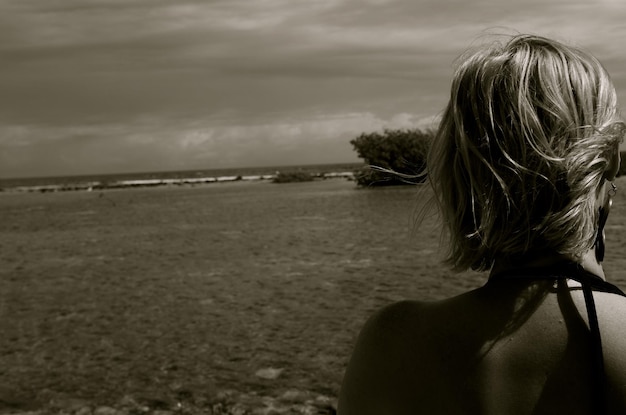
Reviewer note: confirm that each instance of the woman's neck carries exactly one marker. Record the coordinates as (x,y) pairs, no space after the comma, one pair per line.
(591,264)
(545,260)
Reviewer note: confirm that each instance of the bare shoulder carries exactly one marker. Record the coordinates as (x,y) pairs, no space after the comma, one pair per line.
(397,365)
(394,318)
(369,384)
(611,309)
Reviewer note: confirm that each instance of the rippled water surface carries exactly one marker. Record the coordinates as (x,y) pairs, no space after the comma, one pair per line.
(108,293)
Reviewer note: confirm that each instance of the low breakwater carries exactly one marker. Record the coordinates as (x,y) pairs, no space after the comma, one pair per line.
(121,184)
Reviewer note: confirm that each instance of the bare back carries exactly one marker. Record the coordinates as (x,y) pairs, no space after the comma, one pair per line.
(510,347)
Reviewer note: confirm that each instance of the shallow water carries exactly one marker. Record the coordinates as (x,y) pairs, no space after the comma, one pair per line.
(130,291)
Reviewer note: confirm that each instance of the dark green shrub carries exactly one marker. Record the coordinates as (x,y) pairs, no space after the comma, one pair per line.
(293,176)
(401,151)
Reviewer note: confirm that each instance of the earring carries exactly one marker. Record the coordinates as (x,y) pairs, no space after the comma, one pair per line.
(604,215)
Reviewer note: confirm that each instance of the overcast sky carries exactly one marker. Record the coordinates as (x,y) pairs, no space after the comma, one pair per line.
(107,86)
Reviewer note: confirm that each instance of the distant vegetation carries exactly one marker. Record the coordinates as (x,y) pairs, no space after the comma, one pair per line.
(293,176)
(394,156)
(311,173)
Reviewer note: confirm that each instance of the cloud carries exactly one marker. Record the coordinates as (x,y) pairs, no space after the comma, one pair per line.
(126,85)
(145,145)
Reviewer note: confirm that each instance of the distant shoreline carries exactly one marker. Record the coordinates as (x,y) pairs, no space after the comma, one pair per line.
(187,181)
(173,178)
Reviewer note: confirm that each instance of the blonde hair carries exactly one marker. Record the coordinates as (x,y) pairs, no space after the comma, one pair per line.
(521,150)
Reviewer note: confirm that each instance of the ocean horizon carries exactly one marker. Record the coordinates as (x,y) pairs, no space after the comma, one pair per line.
(81,180)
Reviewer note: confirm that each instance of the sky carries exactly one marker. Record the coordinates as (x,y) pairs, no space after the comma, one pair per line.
(115,86)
